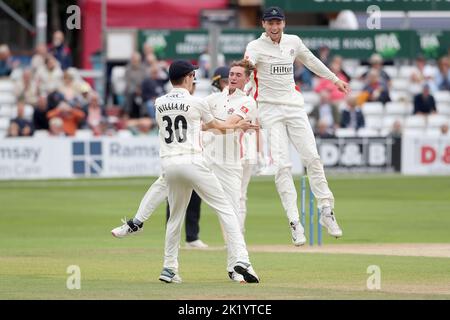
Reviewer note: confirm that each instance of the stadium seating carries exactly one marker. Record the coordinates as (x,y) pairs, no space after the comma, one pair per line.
(345,132)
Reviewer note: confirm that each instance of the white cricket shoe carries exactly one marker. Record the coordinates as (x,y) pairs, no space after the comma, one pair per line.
(126,229)
(197,244)
(246,270)
(328,220)
(298,233)
(169,276)
(233,275)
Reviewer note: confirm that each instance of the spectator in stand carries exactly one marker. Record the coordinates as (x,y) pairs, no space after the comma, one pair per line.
(152,88)
(60,51)
(442,78)
(323,130)
(352,116)
(26,87)
(204,63)
(324,55)
(49,77)
(13,130)
(24,126)
(444,129)
(134,76)
(53,99)
(56,127)
(376,63)
(375,89)
(69,87)
(141,127)
(38,59)
(95,115)
(325,113)
(421,70)
(302,76)
(40,121)
(71,117)
(335,95)
(6,64)
(424,102)
(396,130)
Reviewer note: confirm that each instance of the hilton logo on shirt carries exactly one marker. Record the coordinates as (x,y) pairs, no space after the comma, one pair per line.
(281,69)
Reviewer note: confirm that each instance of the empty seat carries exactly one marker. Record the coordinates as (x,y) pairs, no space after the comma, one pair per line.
(124,133)
(360,70)
(442,96)
(400,84)
(392,71)
(83,134)
(406,71)
(7,98)
(399,108)
(443,108)
(6,86)
(345,132)
(400,95)
(367,132)
(5,111)
(436,120)
(4,123)
(356,85)
(433,132)
(417,122)
(41,134)
(373,122)
(413,132)
(372,108)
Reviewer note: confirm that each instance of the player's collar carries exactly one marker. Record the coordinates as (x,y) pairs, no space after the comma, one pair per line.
(180,90)
(237,92)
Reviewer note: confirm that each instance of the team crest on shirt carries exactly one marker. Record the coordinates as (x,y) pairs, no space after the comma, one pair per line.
(244,109)
(230,111)
(292,52)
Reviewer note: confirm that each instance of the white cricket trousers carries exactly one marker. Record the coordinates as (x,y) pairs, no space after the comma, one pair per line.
(284,123)
(184,175)
(230,178)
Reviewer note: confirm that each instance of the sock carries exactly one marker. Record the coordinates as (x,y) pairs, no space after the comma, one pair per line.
(137,222)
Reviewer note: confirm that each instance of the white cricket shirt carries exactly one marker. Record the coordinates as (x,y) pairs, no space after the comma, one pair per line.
(274,75)
(179,117)
(226,148)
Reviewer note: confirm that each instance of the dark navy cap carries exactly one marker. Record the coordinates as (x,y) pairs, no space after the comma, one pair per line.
(273,13)
(220,73)
(180,68)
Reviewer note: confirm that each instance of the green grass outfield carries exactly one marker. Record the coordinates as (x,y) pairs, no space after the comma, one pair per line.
(48,225)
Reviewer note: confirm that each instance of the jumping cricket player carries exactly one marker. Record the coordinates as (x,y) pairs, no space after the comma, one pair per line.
(281,112)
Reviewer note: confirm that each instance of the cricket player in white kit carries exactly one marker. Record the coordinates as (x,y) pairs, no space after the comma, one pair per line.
(281,112)
(180,116)
(222,154)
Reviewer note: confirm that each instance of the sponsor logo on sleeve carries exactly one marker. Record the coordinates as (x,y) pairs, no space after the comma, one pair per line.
(244,109)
